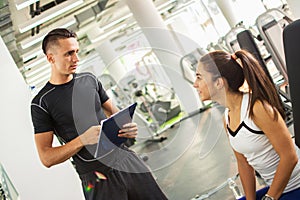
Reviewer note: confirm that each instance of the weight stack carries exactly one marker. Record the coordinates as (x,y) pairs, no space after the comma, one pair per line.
(291,41)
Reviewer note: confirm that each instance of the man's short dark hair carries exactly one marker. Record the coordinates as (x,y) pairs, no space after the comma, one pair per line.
(56,34)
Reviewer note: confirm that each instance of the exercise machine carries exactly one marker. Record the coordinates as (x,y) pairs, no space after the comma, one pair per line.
(231,39)
(270,26)
(247,41)
(188,64)
(291,48)
(7,189)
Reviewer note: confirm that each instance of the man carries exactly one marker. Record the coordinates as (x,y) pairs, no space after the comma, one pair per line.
(71,106)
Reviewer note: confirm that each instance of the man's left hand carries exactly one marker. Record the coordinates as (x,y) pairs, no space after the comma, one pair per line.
(129,130)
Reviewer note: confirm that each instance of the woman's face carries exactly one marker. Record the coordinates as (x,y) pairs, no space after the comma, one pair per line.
(205,84)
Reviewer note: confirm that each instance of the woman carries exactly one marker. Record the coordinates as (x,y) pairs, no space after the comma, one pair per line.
(254,121)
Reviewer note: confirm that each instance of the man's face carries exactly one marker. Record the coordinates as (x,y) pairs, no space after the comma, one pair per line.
(64,56)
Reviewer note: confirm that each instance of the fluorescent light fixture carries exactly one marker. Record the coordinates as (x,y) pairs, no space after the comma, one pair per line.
(32,54)
(42,75)
(158,7)
(41,81)
(32,73)
(108,33)
(49,14)
(105,27)
(174,14)
(23,4)
(34,63)
(64,23)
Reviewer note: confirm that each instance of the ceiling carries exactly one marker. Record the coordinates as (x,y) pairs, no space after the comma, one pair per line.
(23,27)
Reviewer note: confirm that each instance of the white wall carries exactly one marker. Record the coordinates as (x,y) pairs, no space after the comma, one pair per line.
(294,5)
(18,154)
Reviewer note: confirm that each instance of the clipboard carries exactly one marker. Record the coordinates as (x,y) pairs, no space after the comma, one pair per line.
(108,137)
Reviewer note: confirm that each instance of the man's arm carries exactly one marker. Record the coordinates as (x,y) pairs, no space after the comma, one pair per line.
(50,155)
(109,107)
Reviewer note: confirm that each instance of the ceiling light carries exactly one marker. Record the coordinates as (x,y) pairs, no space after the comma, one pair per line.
(32,54)
(158,7)
(108,33)
(33,63)
(40,81)
(64,23)
(31,73)
(42,75)
(105,27)
(23,4)
(49,14)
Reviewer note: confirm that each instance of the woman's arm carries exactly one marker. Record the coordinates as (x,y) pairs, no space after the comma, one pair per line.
(247,173)
(247,176)
(280,138)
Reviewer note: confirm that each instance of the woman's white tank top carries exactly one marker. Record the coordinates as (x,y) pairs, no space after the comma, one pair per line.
(250,141)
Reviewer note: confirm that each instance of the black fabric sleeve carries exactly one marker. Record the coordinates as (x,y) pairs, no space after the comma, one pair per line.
(41,120)
(102,93)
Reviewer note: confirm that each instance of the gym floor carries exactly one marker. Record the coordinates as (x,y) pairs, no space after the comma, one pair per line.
(195,161)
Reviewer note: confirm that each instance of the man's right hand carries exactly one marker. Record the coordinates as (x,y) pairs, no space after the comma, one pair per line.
(90,136)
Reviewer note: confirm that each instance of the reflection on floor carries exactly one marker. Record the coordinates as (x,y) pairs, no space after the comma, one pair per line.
(195,161)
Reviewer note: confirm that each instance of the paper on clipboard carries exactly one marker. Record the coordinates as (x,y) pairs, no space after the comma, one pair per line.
(108,137)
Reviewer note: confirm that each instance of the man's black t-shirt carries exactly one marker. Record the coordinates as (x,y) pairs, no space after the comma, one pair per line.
(69,110)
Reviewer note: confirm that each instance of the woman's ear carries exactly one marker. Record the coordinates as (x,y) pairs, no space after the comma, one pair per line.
(220,83)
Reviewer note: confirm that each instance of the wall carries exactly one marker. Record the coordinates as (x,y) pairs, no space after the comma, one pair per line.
(294,6)
(18,154)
